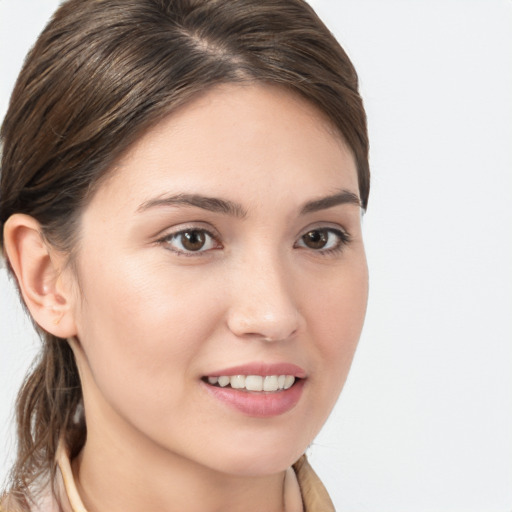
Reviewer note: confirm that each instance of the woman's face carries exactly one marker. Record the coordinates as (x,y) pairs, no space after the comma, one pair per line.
(226,242)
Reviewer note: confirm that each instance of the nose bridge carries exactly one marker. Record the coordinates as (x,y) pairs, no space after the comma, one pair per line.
(262,301)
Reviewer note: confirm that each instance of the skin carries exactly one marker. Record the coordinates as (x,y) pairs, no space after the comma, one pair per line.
(150,322)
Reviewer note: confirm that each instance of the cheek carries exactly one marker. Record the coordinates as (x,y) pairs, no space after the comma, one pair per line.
(335,322)
(338,309)
(137,298)
(140,330)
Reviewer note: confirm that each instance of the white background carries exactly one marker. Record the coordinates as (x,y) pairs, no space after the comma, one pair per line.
(425,421)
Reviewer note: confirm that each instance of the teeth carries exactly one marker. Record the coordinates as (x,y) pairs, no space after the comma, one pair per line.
(288,382)
(270,383)
(254,382)
(237,381)
(223,381)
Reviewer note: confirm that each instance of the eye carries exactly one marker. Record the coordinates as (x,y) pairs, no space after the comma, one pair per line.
(324,240)
(191,241)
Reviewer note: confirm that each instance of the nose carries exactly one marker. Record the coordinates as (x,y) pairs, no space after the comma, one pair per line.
(263,305)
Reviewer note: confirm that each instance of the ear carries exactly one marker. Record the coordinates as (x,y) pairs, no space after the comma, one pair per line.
(39,271)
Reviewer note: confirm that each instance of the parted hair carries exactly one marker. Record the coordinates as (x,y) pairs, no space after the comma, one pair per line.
(101,73)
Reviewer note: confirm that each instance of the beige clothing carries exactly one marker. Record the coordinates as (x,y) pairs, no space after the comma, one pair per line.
(303,491)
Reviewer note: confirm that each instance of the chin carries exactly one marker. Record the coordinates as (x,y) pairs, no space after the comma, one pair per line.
(257,466)
(260,458)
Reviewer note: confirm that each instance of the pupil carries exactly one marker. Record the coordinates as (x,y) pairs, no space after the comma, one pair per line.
(315,239)
(193,240)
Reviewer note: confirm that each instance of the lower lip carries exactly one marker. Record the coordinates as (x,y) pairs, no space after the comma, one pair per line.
(259,404)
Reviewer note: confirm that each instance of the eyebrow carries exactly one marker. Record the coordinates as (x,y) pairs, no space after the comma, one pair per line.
(217,205)
(212,204)
(342,197)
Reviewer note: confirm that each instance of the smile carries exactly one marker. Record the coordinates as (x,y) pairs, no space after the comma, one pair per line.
(269,383)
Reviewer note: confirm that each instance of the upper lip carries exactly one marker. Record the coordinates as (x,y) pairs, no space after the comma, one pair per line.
(263,369)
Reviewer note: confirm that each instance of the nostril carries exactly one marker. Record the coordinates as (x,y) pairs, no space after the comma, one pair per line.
(273,317)
(269,338)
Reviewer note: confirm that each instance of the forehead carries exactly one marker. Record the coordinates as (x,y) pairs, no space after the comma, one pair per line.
(242,141)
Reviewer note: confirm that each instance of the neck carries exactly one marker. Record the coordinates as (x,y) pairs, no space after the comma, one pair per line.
(127,473)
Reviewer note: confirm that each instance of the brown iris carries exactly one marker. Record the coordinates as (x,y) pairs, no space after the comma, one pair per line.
(193,240)
(316,239)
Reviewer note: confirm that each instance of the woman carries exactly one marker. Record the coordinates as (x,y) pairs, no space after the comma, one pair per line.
(182,185)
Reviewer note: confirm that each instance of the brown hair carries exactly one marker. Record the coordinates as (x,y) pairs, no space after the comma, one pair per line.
(100,74)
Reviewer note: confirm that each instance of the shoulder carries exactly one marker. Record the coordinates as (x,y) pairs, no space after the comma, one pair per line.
(314,494)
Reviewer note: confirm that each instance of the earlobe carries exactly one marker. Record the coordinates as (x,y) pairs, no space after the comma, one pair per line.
(38,270)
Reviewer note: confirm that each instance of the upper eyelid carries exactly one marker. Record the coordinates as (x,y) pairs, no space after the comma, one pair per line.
(188,230)
(330,226)
(184,228)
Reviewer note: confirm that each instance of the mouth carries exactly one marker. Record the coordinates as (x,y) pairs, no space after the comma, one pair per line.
(253,383)
(258,390)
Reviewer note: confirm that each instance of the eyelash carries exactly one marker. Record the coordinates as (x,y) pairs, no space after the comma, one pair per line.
(166,240)
(344,239)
